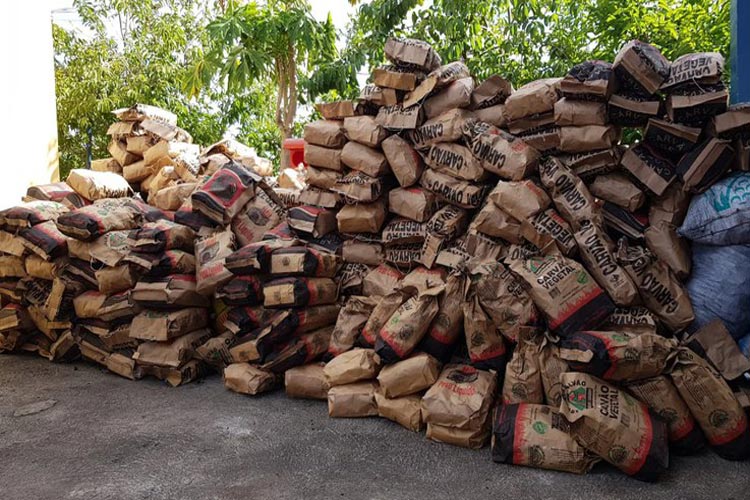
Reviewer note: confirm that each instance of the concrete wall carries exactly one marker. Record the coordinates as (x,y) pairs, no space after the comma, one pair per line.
(28,123)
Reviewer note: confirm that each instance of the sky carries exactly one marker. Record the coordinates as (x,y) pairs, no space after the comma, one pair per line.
(340,10)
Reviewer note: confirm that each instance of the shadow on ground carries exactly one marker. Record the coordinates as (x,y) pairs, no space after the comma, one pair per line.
(110,438)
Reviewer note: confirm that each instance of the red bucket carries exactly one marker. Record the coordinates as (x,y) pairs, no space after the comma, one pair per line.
(296,148)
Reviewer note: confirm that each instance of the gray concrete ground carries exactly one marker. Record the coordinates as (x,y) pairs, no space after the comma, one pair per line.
(110,438)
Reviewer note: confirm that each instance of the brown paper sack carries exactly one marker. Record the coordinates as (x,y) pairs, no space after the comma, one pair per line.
(326,133)
(615,426)
(588,138)
(402,231)
(362,217)
(360,252)
(306,382)
(405,411)
(322,178)
(321,157)
(537,436)
(461,398)
(633,110)
(641,66)
(455,160)
(523,376)
(352,366)
(210,255)
(365,159)
(655,172)
(483,248)
(313,220)
(617,355)
(319,198)
(703,166)
(351,276)
(364,130)
(258,216)
(590,164)
(337,110)
(703,67)
(569,112)
(714,342)
(671,206)
(494,115)
(381,281)
(590,81)
(672,139)
(521,199)
(393,77)
(455,95)
(398,118)
(551,366)
(571,196)
(407,325)
(491,92)
(173,353)
(536,97)
(409,376)
(379,96)
(598,253)
(504,298)
(166,325)
(299,292)
(473,439)
(566,294)
(351,319)
(660,394)
(549,226)
(168,291)
(446,127)
(634,320)
(98,185)
(663,241)
(659,289)
(382,312)
(115,279)
(501,153)
(494,222)
(171,198)
(617,188)
(405,162)
(454,191)
(713,405)
(531,125)
(106,165)
(353,400)
(360,187)
(414,203)
(248,379)
(443,333)
(411,52)
(696,104)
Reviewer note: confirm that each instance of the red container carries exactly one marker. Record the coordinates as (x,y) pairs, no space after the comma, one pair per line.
(296,148)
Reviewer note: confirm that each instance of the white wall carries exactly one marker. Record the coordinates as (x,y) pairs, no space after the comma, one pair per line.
(28,122)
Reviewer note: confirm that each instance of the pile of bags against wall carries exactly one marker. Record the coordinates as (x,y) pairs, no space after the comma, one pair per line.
(485,262)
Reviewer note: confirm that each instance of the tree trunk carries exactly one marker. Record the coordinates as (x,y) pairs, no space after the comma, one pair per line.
(286,101)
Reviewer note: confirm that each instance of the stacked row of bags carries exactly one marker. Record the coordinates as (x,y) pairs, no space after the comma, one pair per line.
(511,271)
(89,269)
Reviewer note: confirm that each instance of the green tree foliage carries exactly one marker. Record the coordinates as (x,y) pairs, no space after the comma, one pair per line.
(525,39)
(278,41)
(135,51)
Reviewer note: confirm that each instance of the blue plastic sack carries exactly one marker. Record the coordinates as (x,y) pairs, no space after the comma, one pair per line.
(744,344)
(721,215)
(720,286)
